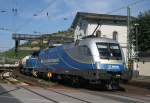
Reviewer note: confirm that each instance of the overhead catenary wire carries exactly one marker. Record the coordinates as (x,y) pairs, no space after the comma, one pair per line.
(124,7)
(50,3)
(115,10)
(35,14)
(5,29)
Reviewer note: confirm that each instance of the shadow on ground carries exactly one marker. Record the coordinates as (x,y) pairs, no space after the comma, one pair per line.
(6,97)
(93,87)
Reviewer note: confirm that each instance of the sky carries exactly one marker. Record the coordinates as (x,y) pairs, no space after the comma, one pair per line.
(49,16)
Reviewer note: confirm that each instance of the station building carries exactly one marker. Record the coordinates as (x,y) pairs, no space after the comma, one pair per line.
(110,26)
(104,25)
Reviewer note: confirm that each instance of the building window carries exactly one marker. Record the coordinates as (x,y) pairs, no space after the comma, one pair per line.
(98,33)
(115,35)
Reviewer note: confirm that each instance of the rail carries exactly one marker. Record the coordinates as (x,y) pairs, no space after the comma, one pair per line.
(8,66)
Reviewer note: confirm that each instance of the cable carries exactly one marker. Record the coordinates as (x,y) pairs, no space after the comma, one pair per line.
(3,11)
(116,10)
(136,2)
(50,3)
(35,14)
(5,29)
(124,7)
(46,7)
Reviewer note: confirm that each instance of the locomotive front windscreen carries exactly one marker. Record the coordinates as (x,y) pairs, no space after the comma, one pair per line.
(109,51)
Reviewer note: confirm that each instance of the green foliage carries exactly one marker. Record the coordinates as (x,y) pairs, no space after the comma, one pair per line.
(143,28)
(12,54)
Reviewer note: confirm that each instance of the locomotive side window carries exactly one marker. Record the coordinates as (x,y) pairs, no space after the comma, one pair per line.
(80,53)
(83,54)
(84,50)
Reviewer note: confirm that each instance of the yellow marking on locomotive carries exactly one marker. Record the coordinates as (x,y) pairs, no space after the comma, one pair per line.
(34,73)
(49,75)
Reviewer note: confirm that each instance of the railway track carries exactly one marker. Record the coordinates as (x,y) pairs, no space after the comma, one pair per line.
(130,91)
(60,93)
(35,82)
(48,95)
(78,99)
(49,99)
(131,95)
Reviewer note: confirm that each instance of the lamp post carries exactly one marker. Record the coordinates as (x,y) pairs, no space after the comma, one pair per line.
(136,48)
(136,33)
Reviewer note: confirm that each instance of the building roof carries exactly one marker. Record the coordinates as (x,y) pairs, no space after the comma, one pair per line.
(96,17)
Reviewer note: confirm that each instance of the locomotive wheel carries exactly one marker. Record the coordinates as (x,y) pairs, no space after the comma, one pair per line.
(83,82)
(113,86)
(75,82)
(22,70)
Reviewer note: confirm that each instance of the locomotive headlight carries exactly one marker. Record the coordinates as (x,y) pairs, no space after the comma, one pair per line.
(97,65)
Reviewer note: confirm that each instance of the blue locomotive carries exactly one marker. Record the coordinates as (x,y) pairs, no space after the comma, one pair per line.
(95,60)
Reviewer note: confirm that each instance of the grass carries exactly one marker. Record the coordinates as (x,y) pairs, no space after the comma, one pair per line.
(12,54)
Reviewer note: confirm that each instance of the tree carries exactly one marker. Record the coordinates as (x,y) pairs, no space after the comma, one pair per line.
(141,29)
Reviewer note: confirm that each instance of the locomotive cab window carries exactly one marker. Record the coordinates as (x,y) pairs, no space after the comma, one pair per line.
(109,51)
